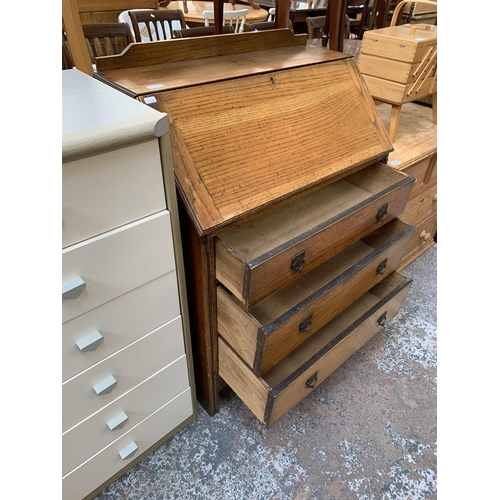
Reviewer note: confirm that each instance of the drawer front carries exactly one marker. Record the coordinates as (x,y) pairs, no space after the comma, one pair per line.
(96,334)
(424,232)
(257,258)
(103,192)
(274,394)
(96,432)
(420,205)
(128,367)
(388,69)
(117,262)
(96,471)
(418,170)
(268,332)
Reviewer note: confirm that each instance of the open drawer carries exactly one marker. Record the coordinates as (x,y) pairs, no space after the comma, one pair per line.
(258,257)
(270,330)
(272,395)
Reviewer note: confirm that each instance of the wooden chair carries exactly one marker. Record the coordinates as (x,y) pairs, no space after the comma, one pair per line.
(265,25)
(316,29)
(234,18)
(152,25)
(358,12)
(201,31)
(106,39)
(67,60)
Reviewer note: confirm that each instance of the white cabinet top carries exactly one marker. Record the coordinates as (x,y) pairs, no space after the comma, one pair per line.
(96,116)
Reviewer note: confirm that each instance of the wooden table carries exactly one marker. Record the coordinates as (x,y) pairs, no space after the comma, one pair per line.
(194,17)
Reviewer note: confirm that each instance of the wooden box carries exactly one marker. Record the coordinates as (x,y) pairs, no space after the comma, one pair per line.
(288,209)
(399,63)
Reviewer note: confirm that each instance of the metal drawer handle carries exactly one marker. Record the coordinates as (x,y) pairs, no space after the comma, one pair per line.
(118,422)
(90,342)
(381,267)
(312,381)
(382,212)
(383,318)
(128,451)
(106,386)
(298,261)
(72,289)
(306,324)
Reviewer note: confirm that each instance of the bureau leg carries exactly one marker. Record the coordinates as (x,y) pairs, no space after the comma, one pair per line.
(393,126)
(200,286)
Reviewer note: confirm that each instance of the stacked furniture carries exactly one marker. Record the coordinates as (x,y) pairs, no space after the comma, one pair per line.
(399,65)
(127,380)
(415,153)
(289,212)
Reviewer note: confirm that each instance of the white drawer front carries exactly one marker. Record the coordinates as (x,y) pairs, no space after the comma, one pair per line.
(103,192)
(93,434)
(119,322)
(117,262)
(129,367)
(108,462)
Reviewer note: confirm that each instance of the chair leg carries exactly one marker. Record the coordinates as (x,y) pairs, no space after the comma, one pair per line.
(393,126)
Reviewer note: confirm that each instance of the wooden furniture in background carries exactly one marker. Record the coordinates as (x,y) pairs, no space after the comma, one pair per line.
(234,18)
(289,223)
(127,379)
(202,31)
(106,39)
(415,153)
(156,23)
(399,64)
(194,17)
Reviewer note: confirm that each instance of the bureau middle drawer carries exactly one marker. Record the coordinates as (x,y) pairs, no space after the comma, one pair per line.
(115,263)
(260,256)
(270,330)
(97,387)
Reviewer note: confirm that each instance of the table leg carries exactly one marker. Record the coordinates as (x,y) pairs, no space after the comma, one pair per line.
(393,127)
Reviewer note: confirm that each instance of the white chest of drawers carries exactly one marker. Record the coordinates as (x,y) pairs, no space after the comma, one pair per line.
(127,383)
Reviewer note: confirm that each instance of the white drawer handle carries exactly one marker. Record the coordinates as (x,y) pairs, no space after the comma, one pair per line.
(128,451)
(72,289)
(90,342)
(106,386)
(118,422)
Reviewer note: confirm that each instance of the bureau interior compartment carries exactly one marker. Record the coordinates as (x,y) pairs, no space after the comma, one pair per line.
(270,330)
(273,394)
(258,257)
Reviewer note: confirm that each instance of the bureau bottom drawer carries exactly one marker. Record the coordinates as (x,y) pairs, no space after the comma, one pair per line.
(295,376)
(109,461)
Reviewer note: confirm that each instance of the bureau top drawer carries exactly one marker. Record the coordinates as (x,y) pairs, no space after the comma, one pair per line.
(103,192)
(110,265)
(258,257)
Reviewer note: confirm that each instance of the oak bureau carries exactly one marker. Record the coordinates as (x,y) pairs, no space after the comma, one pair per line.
(127,378)
(289,211)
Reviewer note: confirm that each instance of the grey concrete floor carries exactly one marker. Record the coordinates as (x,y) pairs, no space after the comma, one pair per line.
(368,432)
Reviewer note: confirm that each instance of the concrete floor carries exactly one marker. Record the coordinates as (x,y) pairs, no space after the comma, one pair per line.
(368,432)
